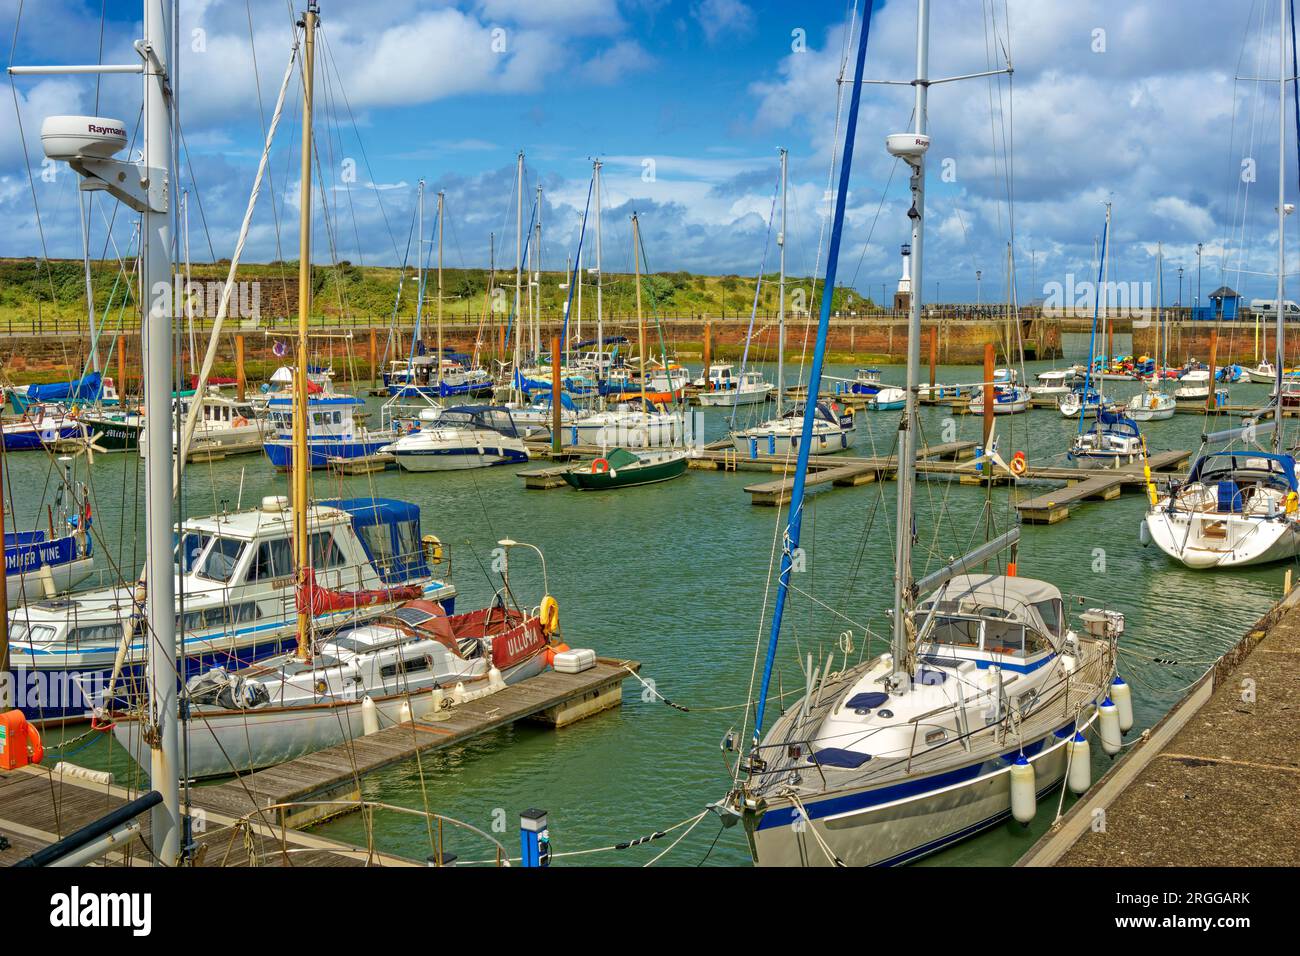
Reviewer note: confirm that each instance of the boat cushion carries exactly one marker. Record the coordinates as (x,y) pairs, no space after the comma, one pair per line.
(1229,497)
(867,701)
(838,757)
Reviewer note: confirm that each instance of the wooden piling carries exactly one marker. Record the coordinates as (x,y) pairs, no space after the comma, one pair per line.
(989,397)
(555,394)
(121,368)
(1214,352)
(374,358)
(708,353)
(241,381)
(934,354)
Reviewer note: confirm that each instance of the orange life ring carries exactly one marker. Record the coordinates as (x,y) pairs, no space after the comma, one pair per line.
(1018,464)
(240,422)
(599,465)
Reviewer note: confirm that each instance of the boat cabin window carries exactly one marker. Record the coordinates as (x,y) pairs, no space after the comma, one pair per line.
(222,559)
(325,551)
(1004,637)
(110,633)
(189,548)
(274,559)
(32,633)
(956,631)
(1051,613)
(221,616)
(408,666)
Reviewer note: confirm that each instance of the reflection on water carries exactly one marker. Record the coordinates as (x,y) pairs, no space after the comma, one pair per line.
(674,575)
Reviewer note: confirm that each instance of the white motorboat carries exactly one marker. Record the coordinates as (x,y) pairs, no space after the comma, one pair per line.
(1112,442)
(749,389)
(1151,405)
(234,571)
(631,425)
(887,398)
(1007,400)
(464,436)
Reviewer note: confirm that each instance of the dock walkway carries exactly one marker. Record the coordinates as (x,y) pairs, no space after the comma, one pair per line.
(1214,783)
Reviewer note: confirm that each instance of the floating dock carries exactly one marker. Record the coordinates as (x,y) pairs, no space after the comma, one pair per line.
(37,808)
(1214,783)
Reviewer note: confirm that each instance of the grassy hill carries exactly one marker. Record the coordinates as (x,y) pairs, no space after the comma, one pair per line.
(53,293)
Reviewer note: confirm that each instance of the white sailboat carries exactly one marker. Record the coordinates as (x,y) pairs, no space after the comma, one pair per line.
(1240,507)
(1153,403)
(898,756)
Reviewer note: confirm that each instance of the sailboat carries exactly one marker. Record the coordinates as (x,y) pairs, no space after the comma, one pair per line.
(43,563)
(832,428)
(1240,507)
(1153,403)
(623,467)
(895,757)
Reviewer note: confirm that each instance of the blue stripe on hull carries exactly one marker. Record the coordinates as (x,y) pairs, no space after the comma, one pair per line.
(281,453)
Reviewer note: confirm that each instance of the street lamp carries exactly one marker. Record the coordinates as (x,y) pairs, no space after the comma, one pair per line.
(979,274)
(1180,287)
(1198,275)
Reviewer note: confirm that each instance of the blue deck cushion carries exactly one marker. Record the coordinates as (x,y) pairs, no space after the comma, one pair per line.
(837,757)
(866,701)
(1229,497)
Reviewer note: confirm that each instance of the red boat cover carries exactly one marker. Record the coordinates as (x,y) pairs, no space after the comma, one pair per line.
(319,600)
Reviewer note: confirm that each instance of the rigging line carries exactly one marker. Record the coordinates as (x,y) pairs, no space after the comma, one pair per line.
(758,288)
(194,185)
(261,113)
(27,160)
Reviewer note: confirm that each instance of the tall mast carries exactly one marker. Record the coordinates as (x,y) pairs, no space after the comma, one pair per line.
(600,277)
(519,273)
(640,321)
(440,199)
(536,255)
(780,319)
(419,281)
(907,427)
(301,465)
(160,583)
(1281,216)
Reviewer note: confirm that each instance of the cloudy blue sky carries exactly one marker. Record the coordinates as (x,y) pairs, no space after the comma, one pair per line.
(687,101)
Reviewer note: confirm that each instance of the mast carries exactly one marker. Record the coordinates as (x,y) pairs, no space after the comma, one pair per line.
(600,277)
(301,465)
(441,194)
(1281,217)
(536,255)
(780,319)
(519,274)
(419,283)
(640,320)
(795,523)
(907,427)
(160,582)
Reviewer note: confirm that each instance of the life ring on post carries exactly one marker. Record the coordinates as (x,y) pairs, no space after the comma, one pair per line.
(599,466)
(1018,464)
(549,614)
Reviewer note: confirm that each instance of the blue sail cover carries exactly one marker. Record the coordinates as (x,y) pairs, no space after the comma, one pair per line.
(1118,423)
(1219,464)
(84,390)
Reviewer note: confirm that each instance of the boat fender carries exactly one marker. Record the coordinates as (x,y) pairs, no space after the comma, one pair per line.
(1080,757)
(1144,534)
(1292,503)
(432,548)
(1023,798)
(1108,720)
(550,614)
(548,655)
(1018,464)
(599,465)
(1122,694)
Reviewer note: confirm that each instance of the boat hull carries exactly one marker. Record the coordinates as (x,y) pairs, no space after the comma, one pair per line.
(1222,541)
(459,458)
(320,451)
(894,823)
(728,398)
(585,480)
(752,445)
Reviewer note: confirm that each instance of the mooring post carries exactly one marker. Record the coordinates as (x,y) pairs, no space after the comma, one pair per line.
(708,352)
(241,382)
(934,355)
(1211,398)
(534,838)
(555,394)
(374,358)
(121,370)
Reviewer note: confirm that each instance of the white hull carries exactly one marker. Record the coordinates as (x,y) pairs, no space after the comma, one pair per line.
(757,441)
(637,431)
(731,397)
(63,577)
(1201,540)
(900,830)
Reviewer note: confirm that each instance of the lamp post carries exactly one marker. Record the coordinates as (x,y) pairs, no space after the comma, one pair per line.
(979,274)
(1198,275)
(1180,287)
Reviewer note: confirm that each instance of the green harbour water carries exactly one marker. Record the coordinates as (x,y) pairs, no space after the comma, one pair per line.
(675,576)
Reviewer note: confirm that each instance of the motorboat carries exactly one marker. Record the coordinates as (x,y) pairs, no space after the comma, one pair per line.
(832,431)
(465,436)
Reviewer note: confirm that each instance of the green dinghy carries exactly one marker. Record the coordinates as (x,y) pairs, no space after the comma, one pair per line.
(622,468)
